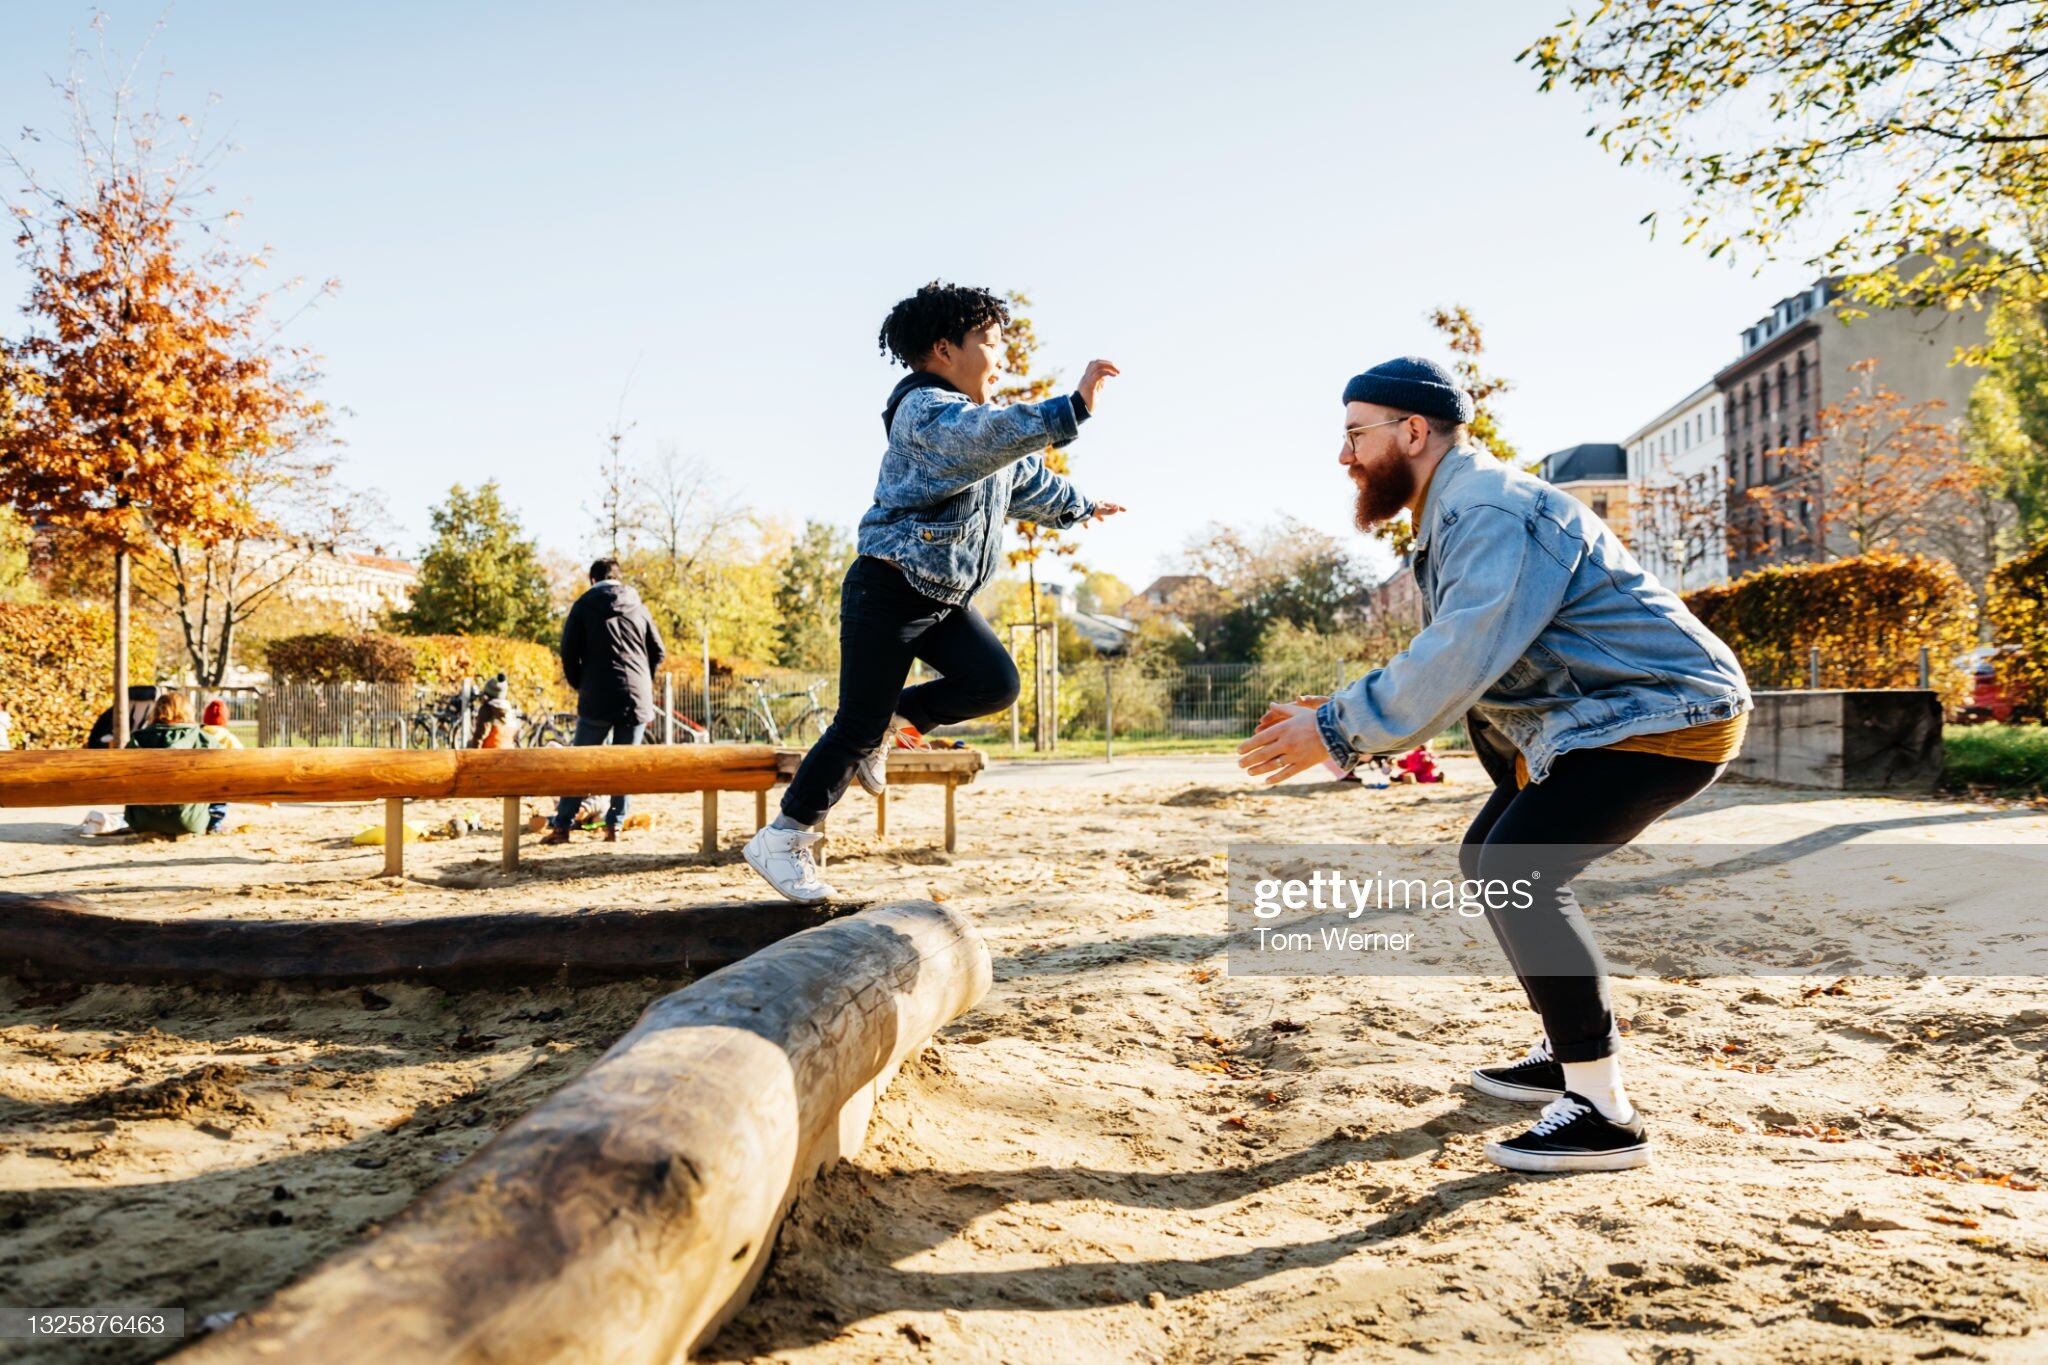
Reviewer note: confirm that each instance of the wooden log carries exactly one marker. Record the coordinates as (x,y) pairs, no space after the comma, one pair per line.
(625,1218)
(951,834)
(394,836)
(510,819)
(708,844)
(151,777)
(82,777)
(70,939)
(615,770)
(882,816)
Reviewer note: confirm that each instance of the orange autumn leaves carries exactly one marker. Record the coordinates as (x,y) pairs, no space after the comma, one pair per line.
(145,397)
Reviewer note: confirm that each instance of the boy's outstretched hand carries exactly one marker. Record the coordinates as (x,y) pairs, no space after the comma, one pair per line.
(1286,742)
(1090,387)
(1105,509)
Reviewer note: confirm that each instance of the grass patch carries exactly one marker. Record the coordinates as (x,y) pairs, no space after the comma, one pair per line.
(2007,758)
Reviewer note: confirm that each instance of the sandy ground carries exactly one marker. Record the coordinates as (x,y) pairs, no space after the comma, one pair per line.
(1125,1152)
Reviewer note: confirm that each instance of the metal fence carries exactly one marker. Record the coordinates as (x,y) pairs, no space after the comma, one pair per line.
(1192,703)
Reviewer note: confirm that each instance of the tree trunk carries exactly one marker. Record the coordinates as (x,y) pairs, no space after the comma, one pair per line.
(70,939)
(1037,662)
(121,648)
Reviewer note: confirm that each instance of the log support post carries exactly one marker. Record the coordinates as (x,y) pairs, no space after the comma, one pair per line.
(511,819)
(760,810)
(950,840)
(710,843)
(882,816)
(394,836)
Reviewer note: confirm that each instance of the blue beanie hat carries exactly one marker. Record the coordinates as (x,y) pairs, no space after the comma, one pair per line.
(1412,384)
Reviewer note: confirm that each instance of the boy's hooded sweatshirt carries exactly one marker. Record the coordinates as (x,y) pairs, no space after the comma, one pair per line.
(954,471)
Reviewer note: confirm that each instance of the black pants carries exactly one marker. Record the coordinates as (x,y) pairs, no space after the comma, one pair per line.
(884,623)
(1593,802)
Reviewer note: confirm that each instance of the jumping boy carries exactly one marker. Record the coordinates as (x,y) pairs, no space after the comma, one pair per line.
(954,470)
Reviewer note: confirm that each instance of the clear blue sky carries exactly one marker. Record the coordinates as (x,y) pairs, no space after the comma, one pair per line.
(1240,205)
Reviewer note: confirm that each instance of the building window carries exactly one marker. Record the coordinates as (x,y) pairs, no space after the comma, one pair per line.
(1763,396)
(1599,505)
(1802,374)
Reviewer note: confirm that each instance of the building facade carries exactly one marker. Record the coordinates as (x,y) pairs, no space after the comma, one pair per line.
(362,587)
(1799,359)
(1595,473)
(1677,474)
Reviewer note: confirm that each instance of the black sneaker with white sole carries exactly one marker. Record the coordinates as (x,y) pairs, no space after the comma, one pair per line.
(1572,1135)
(1536,1079)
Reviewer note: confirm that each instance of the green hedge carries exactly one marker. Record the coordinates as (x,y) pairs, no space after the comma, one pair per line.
(1868,615)
(57,669)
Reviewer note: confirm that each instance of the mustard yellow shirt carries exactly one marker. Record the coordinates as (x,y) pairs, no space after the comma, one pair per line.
(1715,742)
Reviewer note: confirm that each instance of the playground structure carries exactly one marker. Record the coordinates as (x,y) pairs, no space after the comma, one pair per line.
(72,777)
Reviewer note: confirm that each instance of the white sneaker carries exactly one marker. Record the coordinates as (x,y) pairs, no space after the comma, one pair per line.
(784,859)
(872,772)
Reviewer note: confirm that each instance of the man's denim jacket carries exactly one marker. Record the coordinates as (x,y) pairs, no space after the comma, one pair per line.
(1537,615)
(954,471)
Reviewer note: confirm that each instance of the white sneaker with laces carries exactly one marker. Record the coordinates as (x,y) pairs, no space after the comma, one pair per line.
(872,772)
(784,859)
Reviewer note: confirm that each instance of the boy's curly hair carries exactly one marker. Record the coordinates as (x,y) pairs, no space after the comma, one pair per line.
(938,312)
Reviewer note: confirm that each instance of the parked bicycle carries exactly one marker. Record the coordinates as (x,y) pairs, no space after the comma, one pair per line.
(754,720)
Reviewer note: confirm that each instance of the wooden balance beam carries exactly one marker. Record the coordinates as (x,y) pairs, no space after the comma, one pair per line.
(631,1213)
(948,768)
(169,777)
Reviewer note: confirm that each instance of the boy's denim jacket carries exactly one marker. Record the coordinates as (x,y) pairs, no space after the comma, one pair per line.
(1537,615)
(955,469)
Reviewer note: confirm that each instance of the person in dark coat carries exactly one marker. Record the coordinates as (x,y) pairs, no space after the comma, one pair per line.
(610,650)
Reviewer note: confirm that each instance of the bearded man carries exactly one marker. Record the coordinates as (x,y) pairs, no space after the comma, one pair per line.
(1596,701)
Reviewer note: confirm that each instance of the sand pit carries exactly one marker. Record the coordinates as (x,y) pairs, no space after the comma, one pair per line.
(1125,1153)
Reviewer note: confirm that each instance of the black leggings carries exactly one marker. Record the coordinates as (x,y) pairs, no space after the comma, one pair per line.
(884,623)
(1593,802)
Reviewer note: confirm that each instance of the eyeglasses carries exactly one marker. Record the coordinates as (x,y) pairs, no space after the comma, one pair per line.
(1351,434)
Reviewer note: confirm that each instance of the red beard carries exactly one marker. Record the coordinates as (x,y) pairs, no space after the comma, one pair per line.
(1384,488)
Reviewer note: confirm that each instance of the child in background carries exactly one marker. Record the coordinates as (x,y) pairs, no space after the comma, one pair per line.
(213,723)
(170,727)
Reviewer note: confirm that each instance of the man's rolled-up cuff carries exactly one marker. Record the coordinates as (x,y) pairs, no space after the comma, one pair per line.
(1341,752)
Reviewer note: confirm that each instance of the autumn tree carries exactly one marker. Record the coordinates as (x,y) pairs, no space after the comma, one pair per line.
(1864,129)
(1679,523)
(1034,542)
(618,488)
(148,384)
(700,558)
(2007,427)
(1020,356)
(1102,591)
(481,575)
(1286,573)
(807,597)
(1467,345)
(1876,474)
